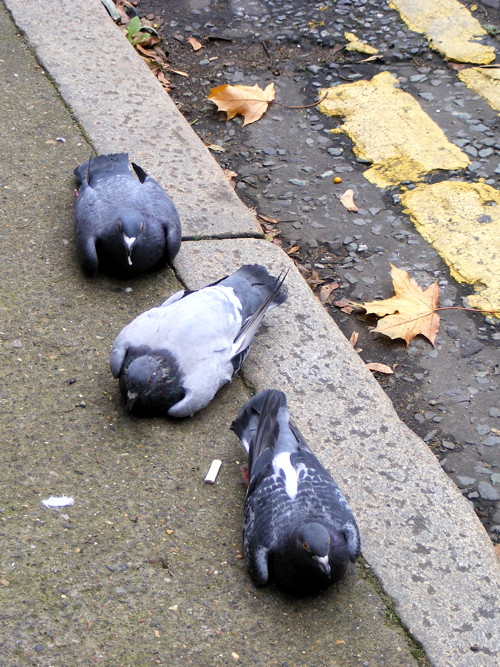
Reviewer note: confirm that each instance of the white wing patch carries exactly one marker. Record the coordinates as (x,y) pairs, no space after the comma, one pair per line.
(283,466)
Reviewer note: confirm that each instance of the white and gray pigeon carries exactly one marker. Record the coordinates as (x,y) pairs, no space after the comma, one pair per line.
(125,223)
(171,360)
(299,531)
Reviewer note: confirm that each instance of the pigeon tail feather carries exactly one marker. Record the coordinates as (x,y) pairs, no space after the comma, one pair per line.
(257,423)
(102,166)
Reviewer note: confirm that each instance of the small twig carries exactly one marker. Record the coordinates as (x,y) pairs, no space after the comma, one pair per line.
(243,180)
(472,310)
(271,60)
(305,106)
(344,78)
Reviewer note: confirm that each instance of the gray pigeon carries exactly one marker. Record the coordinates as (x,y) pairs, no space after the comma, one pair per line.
(298,529)
(125,223)
(171,360)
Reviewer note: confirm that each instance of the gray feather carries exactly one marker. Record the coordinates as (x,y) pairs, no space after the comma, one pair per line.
(296,517)
(194,333)
(113,205)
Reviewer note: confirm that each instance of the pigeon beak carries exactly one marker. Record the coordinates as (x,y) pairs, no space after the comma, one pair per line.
(129,244)
(323,563)
(131,399)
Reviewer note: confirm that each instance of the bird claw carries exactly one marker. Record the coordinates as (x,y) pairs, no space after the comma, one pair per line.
(244,474)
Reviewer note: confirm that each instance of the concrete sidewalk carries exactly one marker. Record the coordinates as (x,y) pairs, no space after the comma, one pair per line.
(142,569)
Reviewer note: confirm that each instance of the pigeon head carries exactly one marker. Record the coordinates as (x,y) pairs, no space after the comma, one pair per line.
(151,385)
(130,224)
(314,545)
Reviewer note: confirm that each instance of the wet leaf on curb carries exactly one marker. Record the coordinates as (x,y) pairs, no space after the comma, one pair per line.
(347,200)
(410,312)
(251,102)
(379,368)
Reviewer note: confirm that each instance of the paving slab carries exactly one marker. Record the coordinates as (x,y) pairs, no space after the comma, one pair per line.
(121,107)
(421,537)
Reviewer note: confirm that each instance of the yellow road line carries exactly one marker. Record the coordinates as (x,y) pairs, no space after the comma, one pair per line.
(484,81)
(390,129)
(462,221)
(450,28)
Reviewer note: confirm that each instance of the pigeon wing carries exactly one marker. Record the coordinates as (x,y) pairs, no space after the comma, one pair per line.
(260,537)
(164,214)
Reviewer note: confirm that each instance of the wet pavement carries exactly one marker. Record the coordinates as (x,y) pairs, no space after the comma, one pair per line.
(286,163)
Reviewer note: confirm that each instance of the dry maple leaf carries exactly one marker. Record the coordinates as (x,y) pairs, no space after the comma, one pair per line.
(409,313)
(251,102)
(347,199)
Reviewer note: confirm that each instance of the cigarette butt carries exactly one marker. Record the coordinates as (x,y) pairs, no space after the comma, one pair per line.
(213,471)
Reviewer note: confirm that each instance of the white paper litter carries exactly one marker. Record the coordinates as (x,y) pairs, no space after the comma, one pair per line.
(213,471)
(58,501)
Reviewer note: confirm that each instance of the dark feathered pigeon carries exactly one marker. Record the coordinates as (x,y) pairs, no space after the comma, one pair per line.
(125,223)
(298,529)
(171,360)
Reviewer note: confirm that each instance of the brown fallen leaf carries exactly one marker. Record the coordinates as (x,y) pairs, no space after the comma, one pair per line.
(164,81)
(353,339)
(325,291)
(409,313)
(313,280)
(194,43)
(251,102)
(347,199)
(267,218)
(380,368)
(230,174)
(345,306)
(292,250)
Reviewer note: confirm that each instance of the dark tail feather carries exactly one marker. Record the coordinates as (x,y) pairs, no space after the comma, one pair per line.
(257,423)
(141,174)
(258,276)
(276,296)
(101,166)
